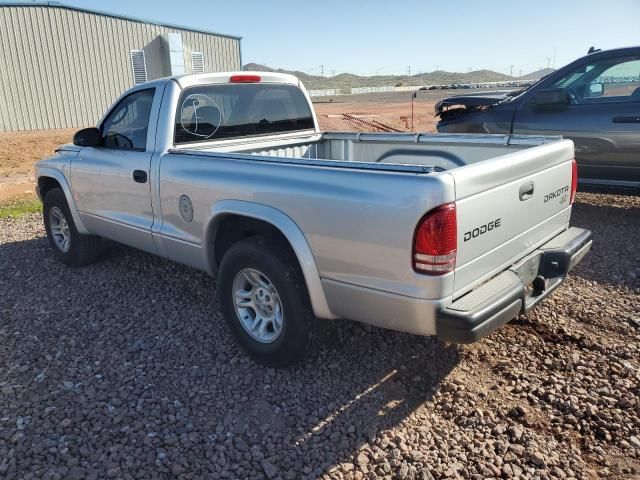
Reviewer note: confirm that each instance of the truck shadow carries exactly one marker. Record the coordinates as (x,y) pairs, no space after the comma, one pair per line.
(135,347)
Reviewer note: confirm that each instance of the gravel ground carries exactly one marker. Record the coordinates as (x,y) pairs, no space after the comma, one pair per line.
(125,369)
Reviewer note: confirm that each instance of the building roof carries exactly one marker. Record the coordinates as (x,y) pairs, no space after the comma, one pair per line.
(114,15)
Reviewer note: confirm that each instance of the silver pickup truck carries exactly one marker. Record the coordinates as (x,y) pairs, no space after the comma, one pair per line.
(433,234)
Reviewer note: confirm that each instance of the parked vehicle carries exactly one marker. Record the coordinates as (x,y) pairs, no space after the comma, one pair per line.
(447,235)
(594,101)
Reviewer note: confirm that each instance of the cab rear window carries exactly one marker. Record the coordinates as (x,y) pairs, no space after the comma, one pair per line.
(214,112)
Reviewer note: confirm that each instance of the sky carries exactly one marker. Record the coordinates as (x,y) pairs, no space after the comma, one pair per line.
(387,37)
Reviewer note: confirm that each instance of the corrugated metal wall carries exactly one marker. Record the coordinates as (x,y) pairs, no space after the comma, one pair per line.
(62,68)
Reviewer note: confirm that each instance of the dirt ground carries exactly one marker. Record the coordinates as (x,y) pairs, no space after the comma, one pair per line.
(125,369)
(18,153)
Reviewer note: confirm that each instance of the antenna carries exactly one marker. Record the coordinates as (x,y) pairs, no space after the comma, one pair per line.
(511,70)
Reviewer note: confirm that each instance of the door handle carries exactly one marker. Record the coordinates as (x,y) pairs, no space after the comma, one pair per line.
(526,191)
(626,119)
(140,176)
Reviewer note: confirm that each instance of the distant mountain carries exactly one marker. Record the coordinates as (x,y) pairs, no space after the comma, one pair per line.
(349,80)
(538,74)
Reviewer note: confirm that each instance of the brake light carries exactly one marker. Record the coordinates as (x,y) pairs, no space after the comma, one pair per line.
(574,180)
(245,78)
(436,241)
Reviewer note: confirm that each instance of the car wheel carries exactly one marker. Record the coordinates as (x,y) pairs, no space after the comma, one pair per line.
(264,299)
(69,246)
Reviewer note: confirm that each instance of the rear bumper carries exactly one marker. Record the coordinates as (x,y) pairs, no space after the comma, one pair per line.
(499,300)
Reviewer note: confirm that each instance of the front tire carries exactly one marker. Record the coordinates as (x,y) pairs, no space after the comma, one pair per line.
(69,246)
(264,299)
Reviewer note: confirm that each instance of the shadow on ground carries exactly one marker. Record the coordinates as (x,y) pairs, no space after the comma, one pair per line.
(125,368)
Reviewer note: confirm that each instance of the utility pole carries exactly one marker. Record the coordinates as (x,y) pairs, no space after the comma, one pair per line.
(511,70)
(409,71)
(548,61)
(322,75)
(413,98)
(437,68)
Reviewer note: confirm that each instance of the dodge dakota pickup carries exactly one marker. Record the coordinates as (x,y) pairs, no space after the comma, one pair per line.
(434,234)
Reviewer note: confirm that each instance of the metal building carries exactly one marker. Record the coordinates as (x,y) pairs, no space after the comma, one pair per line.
(61,66)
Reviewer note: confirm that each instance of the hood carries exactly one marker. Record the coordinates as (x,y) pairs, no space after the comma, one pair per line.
(68,147)
(483,99)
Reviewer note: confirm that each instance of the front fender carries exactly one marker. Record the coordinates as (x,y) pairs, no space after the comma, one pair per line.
(288,228)
(58,176)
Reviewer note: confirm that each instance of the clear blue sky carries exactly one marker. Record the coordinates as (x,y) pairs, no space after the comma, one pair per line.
(367,37)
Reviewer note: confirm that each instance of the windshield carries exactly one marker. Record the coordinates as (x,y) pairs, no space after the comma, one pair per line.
(516,93)
(214,112)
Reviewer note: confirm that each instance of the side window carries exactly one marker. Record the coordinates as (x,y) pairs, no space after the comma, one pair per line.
(606,81)
(127,125)
(621,81)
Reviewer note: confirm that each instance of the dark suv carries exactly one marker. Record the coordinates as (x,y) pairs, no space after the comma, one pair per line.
(594,101)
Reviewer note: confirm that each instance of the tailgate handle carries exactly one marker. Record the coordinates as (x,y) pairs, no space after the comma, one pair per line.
(526,191)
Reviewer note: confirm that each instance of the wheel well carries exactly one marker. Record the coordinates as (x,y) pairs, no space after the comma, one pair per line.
(45,185)
(234,228)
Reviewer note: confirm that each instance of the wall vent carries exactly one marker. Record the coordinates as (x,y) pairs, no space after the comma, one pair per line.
(197,62)
(138,66)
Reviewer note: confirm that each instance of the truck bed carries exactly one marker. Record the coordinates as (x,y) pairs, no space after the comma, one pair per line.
(412,153)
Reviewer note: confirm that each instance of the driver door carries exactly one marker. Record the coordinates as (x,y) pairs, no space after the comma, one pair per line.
(602,119)
(110,183)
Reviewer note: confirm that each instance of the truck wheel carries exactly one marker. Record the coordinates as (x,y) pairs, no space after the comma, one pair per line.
(69,246)
(264,298)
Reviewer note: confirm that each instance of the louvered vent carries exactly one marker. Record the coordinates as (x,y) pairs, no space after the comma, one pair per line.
(138,66)
(197,62)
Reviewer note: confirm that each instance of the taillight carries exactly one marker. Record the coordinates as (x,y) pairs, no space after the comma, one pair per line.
(574,180)
(245,78)
(436,241)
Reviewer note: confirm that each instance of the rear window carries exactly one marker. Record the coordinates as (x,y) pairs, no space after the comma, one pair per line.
(214,112)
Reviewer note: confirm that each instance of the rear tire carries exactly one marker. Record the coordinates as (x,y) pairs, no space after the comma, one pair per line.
(69,246)
(264,299)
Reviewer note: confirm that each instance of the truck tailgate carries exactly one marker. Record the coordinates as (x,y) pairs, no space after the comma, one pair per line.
(508,206)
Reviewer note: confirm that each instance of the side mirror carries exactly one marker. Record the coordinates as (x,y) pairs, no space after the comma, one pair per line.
(551,98)
(87,137)
(595,90)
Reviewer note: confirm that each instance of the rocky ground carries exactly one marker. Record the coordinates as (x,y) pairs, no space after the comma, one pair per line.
(125,369)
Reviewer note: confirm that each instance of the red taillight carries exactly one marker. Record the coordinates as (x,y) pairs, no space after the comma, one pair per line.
(436,241)
(245,78)
(574,180)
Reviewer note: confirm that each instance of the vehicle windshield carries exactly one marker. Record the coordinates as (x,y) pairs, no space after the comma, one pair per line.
(214,112)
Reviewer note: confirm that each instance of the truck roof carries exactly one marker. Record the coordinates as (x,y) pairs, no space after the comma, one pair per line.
(220,77)
(242,76)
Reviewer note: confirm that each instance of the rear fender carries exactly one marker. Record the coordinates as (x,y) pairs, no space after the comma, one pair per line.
(291,232)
